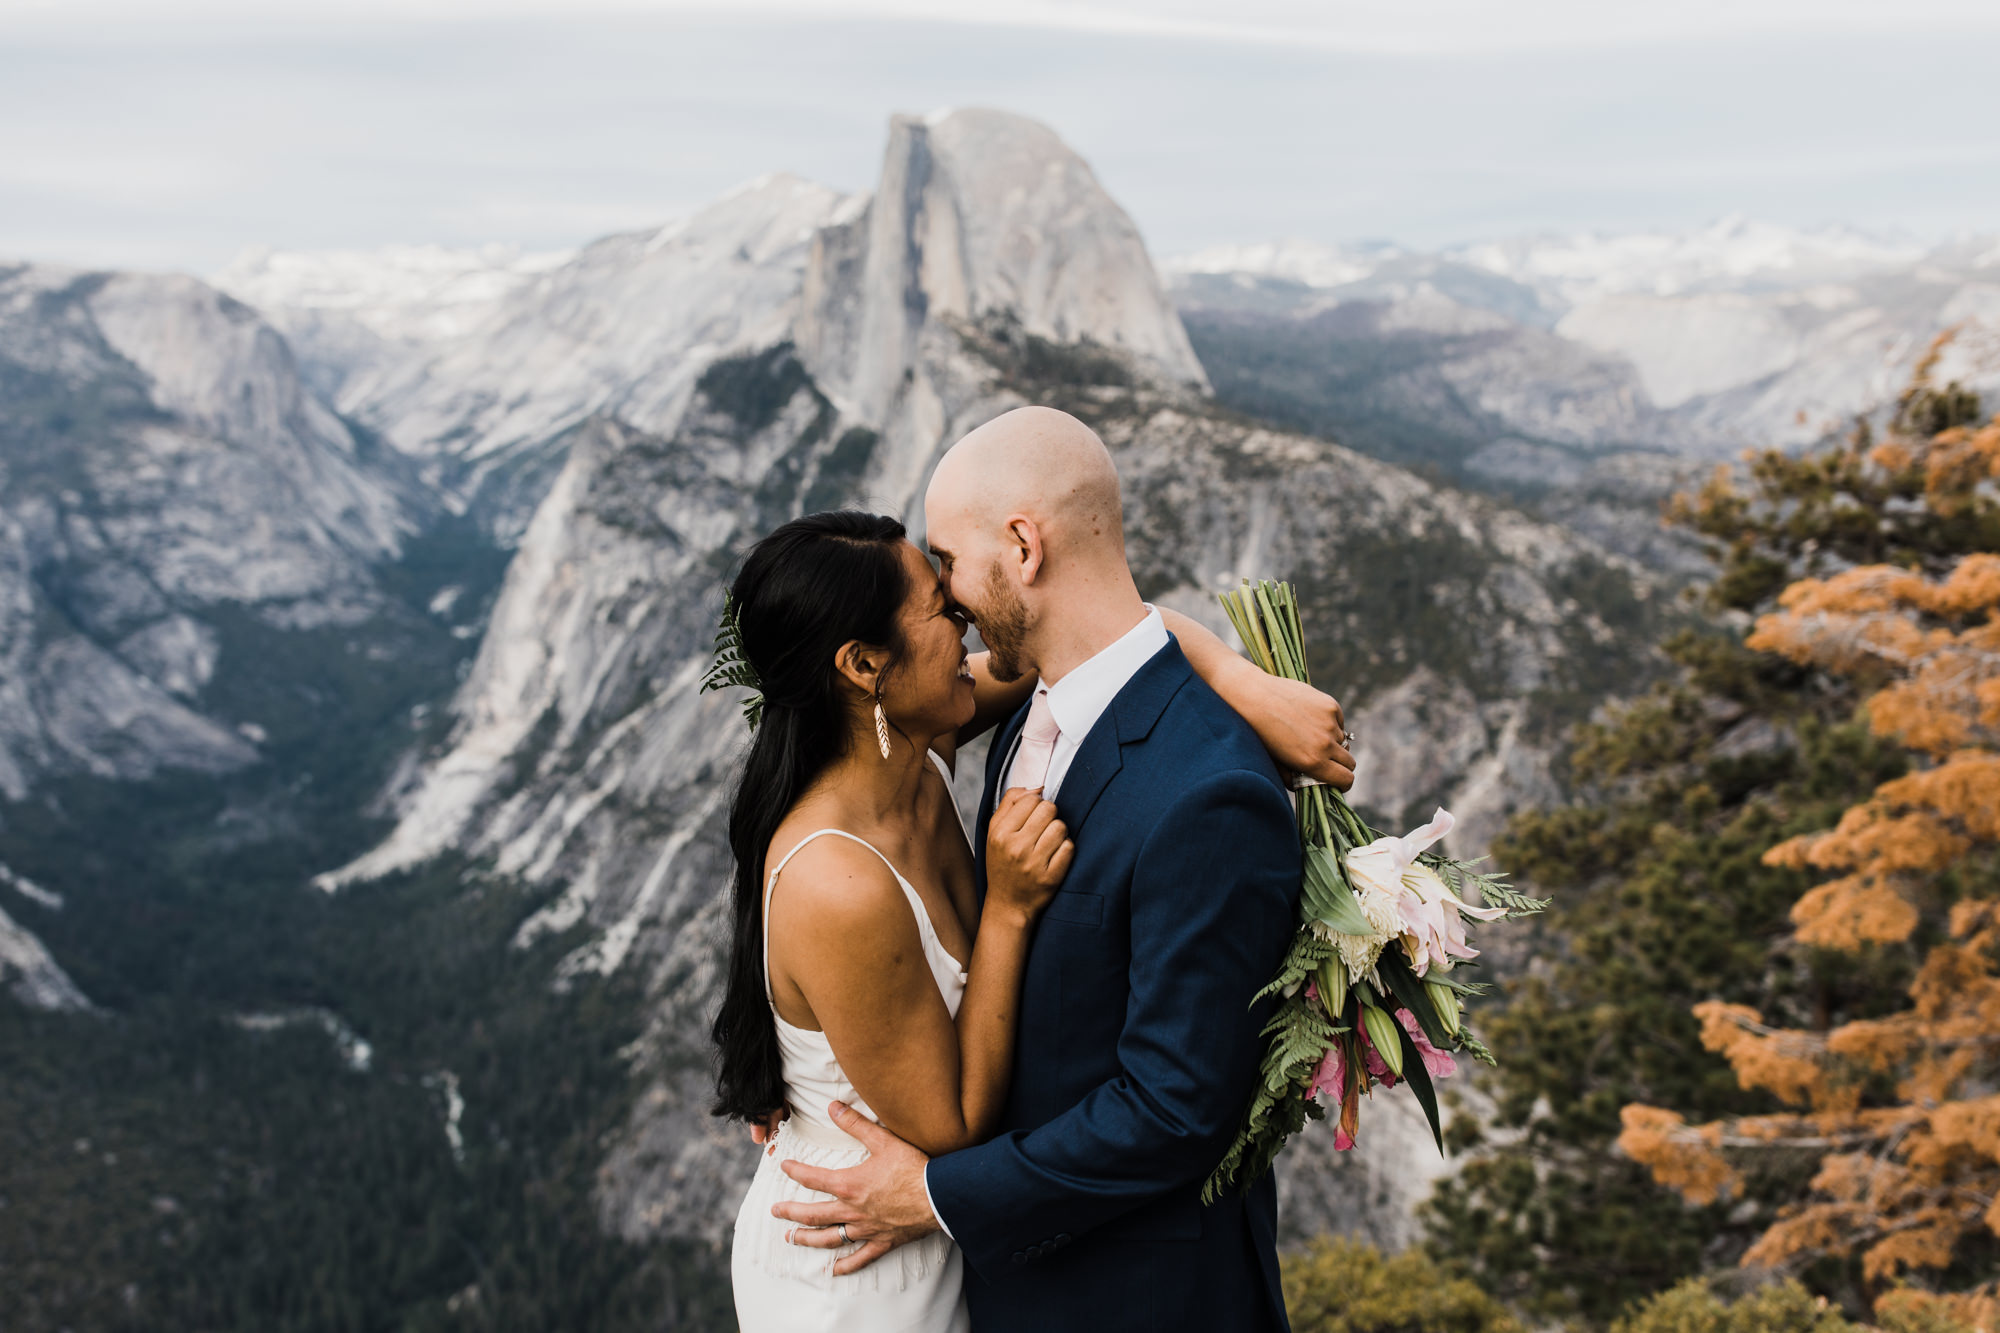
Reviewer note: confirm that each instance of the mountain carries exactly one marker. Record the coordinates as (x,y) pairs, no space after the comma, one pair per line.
(354,625)
(174,503)
(164,479)
(622,329)
(988,269)
(1587,363)
(349,313)
(223,613)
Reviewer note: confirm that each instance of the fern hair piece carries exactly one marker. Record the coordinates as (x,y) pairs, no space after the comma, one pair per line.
(731,667)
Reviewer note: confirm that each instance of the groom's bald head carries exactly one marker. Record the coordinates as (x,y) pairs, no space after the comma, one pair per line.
(1037,462)
(1025,518)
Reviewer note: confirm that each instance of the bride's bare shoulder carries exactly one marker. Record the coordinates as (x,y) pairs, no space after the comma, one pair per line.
(831,881)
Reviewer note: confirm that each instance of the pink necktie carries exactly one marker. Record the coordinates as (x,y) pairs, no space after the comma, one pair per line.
(1038,743)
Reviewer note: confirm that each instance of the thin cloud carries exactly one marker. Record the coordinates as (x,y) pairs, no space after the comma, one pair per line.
(182,145)
(1435,27)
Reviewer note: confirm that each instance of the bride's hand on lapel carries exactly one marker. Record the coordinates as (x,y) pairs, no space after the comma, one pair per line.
(881,1202)
(1028,851)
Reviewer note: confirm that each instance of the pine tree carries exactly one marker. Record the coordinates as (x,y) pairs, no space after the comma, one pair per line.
(1665,896)
(1897,1110)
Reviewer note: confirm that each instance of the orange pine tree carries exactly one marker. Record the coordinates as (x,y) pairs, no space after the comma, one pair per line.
(1902,1109)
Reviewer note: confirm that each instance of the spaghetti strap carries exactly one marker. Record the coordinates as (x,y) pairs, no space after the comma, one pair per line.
(924,926)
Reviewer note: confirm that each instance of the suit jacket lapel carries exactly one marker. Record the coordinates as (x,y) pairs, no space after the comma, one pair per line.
(1128,721)
(1097,761)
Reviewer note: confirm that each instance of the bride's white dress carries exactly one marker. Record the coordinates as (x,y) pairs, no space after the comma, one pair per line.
(786,1288)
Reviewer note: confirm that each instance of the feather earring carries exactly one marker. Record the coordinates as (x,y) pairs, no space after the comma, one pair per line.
(881,729)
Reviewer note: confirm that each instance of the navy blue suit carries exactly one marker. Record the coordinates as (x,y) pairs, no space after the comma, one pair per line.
(1138,1044)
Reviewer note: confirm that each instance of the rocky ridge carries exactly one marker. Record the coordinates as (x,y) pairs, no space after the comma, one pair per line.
(350,313)
(164,466)
(622,329)
(1547,355)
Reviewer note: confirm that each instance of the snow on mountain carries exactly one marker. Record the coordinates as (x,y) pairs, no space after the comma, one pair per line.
(1733,254)
(405,293)
(27,970)
(33,892)
(350,311)
(1308,262)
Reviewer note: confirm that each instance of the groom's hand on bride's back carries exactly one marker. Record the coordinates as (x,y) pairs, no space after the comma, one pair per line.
(1304,730)
(880,1203)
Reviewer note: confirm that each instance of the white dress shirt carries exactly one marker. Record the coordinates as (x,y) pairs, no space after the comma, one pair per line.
(1076,702)
(1080,698)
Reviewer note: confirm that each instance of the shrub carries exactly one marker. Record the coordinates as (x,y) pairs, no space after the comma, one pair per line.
(1344,1286)
(1693,1307)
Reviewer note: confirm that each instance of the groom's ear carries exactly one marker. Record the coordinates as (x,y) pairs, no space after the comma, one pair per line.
(1024,535)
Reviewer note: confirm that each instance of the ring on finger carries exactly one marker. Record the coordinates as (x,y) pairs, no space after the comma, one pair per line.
(845,1239)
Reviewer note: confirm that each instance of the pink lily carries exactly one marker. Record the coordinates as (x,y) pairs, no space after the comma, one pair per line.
(1437,1063)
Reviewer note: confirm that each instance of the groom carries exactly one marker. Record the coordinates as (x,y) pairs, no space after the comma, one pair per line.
(1138,1044)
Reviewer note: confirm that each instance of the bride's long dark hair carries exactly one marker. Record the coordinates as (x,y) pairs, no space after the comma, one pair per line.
(812,585)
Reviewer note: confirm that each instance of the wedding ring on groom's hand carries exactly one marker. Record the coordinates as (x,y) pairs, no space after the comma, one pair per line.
(845,1239)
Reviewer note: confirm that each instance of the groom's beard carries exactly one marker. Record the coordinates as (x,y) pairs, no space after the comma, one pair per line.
(1003,627)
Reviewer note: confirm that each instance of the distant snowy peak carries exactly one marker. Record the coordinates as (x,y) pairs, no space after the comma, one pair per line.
(1732,254)
(1308,262)
(1748,333)
(415,293)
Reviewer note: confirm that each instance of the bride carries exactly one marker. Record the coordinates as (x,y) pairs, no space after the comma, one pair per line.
(865,966)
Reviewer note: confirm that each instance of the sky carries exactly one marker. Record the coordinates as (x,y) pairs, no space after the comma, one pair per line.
(174,136)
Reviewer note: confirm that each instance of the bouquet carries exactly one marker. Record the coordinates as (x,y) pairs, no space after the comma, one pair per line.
(1371,992)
